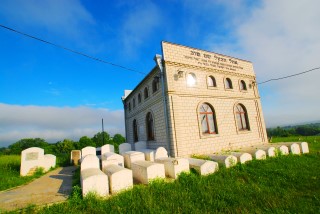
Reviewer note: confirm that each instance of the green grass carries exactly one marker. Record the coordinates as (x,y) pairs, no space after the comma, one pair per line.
(10,172)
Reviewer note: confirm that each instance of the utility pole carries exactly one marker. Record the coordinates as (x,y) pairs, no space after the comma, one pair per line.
(102,133)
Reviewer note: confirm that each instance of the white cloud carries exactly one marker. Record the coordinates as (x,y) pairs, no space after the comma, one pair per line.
(55,123)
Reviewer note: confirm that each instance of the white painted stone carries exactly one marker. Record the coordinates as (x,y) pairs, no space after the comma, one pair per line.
(48,162)
(226,160)
(304,147)
(242,157)
(140,145)
(31,158)
(119,178)
(75,157)
(284,150)
(271,151)
(259,154)
(107,148)
(203,167)
(174,166)
(90,162)
(94,180)
(160,153)
(132,156)
(89,150)
(144,171)
(295,149)
(110,158)
(148,154)
(124,147)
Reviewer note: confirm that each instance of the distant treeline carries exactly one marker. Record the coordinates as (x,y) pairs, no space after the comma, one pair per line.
(300,130)
(63,147)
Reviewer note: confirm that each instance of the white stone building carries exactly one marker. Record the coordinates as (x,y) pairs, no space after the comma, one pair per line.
(195,102)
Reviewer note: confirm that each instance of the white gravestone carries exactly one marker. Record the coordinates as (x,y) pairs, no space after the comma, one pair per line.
(144,171)
(242,157)
(271,151)
(304,147)
(107,148)
(295,149)
(226,160)
(89,150)
(160,153)
(124,147)
(48,162)
(141,146)
(259,154)
(132,156)
(90,162)
(284,150)
(75,157)
(203,167)
(31,159)
(110,158)
(174,166)
(119,178)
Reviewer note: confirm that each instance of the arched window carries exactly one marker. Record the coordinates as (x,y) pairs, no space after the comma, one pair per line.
(134,103)
(208,119)
(129,106)
(242,117)
(146,93)
(191,79)
(135,131)
(139,98)
(155,84)
(228,83)
(243,86)
(150,126)
(211,81)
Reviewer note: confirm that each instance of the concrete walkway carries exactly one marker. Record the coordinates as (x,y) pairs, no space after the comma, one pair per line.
(53,187)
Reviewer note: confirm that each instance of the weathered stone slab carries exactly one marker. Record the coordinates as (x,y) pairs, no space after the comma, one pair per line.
(226,160)
(174,166)
(110,158)
(259,154)
(89,150)
(203,167)
(148,154)
(48,162)
(119,178)
(107,148)
(242,157)
(75,157)
(144,171)
(31,158)
(94,180)
(160,152)
(271,151)
(284,150)
(90,162)
(304,147)
(132,156)
(124,147)
(295,149)
(140,145)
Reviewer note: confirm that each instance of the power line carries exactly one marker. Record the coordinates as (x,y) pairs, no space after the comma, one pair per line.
(292,75)
(73,51)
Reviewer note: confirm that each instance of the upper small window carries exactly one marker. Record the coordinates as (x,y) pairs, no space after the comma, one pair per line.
(211,81)
(134,103)
(191,79)
(243,86)
(139,98)
(129,106)
(146,93)
(155,84)
(228,83)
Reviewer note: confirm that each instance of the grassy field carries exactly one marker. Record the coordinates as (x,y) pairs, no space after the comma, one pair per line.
(10,172)
(286,184)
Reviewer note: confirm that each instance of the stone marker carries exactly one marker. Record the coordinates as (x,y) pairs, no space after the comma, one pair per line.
(304,147)
(144,171)
(94,180)
(124,147)
(107,148)
(48,162)
(160,153)
(259,154)
(295,149)
(132,156)
(110,158)
(140,145)
(75,157)
(90,162)
(203,167)
(31,159)
(271,151)
(119,178)
(242,157)
(284,150)
(226,160)
(174,166)
(89,150)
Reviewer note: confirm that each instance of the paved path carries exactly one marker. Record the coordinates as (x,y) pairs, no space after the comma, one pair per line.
(53,187)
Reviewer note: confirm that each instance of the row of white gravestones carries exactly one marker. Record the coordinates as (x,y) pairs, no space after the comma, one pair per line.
(33,158)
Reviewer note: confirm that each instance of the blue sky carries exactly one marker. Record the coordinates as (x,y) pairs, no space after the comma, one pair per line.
(50,93)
